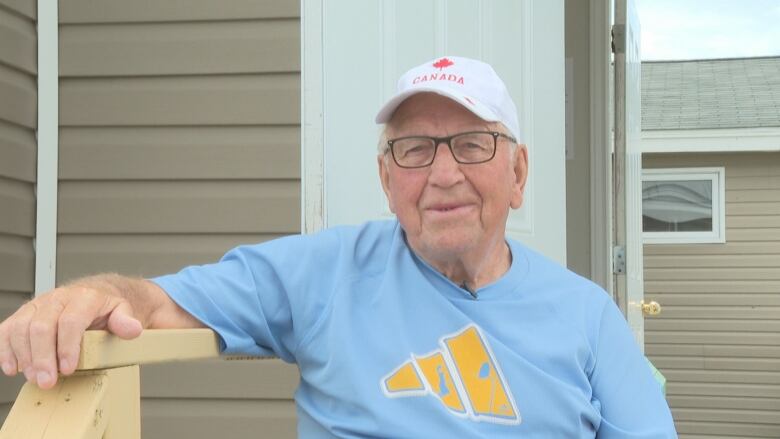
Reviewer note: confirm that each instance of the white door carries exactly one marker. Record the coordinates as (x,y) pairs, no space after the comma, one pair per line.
(353,53)
(627,170)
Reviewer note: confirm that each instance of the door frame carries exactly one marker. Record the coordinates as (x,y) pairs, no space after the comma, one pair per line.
(601,144)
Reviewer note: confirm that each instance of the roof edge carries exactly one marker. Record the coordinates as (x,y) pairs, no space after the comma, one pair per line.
(711,140)
(662,61)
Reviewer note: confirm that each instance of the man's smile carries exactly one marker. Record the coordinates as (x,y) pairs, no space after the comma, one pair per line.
(447,210)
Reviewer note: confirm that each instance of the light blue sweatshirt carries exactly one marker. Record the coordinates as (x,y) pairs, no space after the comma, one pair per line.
(389,347)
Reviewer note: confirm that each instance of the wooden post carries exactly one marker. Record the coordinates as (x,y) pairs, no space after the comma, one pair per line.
(75,408)
(124,398)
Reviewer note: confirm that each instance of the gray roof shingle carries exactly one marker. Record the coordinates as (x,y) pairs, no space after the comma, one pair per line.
(713,93)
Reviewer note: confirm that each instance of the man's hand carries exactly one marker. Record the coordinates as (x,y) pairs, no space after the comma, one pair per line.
(44,336)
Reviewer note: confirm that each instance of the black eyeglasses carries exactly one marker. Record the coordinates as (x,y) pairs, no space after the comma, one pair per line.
(467,148)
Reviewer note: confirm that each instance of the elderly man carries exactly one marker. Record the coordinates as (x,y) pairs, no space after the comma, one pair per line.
(434,325)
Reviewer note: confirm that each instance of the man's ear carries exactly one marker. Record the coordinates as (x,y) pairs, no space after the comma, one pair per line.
(384,177)
(520,167)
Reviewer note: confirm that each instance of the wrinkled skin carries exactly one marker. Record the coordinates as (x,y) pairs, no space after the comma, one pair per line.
(42,338)
(454,215)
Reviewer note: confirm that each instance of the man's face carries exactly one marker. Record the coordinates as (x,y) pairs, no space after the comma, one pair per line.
(449,209)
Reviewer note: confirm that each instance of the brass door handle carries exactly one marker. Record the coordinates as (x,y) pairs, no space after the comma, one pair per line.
(651,308)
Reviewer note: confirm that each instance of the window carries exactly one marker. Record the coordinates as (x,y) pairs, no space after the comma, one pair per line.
(683,205)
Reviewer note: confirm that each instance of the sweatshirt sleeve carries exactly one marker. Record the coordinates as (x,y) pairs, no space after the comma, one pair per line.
(632,404)
(260,299)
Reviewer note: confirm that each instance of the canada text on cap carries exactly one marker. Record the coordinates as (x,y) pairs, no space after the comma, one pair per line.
(471,83)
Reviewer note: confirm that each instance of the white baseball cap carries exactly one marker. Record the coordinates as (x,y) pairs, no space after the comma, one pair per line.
(471,83)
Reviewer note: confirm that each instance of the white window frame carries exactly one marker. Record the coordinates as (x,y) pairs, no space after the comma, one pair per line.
(716,175)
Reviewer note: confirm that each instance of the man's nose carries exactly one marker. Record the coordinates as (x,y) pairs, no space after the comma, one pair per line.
(445,170)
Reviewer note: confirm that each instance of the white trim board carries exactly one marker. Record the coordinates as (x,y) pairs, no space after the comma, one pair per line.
(48,147)
(714,140)
(313,213)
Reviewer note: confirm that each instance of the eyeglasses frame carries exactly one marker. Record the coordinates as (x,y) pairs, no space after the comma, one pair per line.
(448,141)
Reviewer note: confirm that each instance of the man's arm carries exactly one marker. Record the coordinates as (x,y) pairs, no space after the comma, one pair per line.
(43,337)
(632,404)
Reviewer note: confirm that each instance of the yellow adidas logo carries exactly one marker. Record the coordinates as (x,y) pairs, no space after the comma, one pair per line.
(463,374)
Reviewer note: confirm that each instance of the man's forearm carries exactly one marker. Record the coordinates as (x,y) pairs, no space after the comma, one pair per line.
(151,304)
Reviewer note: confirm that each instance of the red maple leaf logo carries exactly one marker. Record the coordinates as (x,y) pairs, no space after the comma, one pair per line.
(442,63)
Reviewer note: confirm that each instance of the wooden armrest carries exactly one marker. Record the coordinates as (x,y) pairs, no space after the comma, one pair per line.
(100,349)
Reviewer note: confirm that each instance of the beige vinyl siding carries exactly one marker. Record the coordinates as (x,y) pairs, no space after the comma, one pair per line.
(18,148)
(718,337)
(179,139)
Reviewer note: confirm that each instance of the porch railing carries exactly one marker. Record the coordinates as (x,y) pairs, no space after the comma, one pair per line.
(102,399)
